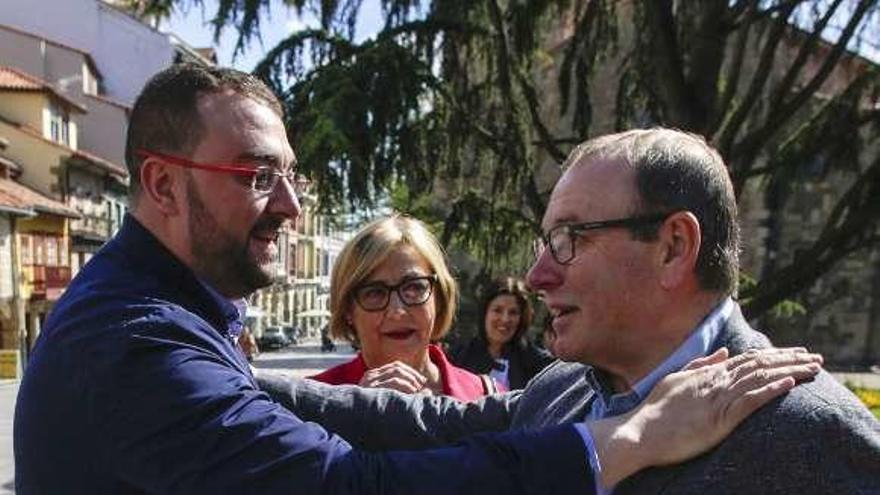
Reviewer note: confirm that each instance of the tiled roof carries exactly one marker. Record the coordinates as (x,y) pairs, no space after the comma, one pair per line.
(22,198)
(16,80)
(102,163)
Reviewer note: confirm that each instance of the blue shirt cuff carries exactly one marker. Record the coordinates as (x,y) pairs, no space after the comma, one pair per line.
(593,457)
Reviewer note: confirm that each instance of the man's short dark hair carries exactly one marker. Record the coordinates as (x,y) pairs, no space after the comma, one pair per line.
(165,117)
(679,171)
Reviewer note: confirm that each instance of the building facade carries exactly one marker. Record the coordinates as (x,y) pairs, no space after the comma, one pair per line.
(34,266)
(300,297)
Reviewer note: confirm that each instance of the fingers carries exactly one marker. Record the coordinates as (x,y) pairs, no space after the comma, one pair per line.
(751,401)
(396,376)
(714,358)
(763,357)
(689,412)
(757,377)
(762,377)
(752,361)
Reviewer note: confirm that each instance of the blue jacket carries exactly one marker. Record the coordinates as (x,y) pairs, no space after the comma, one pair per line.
(135,386)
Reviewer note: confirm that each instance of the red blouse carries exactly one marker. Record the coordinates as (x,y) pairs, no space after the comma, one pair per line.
(457,382)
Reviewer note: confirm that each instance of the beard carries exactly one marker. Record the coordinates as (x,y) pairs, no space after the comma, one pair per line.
(221,259)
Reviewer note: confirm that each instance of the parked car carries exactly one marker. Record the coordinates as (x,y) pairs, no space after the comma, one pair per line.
(293,334)
(273,338)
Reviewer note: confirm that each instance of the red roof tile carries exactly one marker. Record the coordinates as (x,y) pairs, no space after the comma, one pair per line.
(20,197)
(16,80)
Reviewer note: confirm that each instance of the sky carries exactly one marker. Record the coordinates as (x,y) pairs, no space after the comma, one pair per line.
(192,25)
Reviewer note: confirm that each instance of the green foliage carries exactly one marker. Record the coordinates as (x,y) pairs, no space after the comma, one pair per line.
(785,309)
(455,104)
(870,397)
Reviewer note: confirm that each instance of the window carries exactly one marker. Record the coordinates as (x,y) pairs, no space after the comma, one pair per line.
(26,249)
(39,250)
(90,82)
(64,259)
(51,251)
(59,125)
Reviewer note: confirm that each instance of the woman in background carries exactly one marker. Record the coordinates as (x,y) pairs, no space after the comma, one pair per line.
(391,295)
(500,347)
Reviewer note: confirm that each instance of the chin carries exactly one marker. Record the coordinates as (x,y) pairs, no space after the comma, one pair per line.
(566,353)
(255,277)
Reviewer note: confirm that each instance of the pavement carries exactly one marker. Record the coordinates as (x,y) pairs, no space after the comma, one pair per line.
(866,380)
(8,391)
(302,360)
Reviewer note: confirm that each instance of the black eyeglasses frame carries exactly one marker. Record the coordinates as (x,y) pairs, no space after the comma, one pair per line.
(575,230)
(432,280)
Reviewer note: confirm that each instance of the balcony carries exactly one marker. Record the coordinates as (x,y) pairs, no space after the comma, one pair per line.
(47,282)
(91,228)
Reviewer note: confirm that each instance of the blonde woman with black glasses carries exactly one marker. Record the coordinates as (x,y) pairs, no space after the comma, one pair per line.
(392,296)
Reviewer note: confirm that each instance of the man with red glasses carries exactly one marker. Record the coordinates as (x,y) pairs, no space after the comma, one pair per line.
(137,386)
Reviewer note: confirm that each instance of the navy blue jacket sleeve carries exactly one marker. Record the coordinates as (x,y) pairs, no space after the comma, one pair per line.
(179,416)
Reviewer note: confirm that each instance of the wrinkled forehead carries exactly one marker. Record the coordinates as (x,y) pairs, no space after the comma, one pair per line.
(592,189)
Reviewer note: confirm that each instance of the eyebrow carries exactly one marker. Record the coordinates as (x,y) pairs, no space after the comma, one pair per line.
(268,158)
(406,276)
(567,219)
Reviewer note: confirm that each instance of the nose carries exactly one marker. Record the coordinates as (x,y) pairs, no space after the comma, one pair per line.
(395,302)
(545,274)
(284,201)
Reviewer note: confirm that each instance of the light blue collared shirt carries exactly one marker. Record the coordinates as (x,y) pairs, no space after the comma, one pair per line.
(607,403)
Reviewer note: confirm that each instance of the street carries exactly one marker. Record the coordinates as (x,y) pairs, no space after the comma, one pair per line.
(302,360)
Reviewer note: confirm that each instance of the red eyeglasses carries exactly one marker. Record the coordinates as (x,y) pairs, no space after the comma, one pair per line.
(263,178)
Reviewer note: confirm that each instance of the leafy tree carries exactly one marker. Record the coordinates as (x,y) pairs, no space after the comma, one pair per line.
(465,108)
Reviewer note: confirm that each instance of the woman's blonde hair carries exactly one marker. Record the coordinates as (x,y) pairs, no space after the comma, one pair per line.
(371,246)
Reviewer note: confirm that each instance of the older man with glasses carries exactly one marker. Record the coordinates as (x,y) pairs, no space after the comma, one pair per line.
(638,267)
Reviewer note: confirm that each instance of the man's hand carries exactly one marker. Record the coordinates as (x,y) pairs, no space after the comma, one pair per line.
(691,411)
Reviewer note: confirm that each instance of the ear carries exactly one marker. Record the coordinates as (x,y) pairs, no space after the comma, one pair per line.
(162,185)
(680,240)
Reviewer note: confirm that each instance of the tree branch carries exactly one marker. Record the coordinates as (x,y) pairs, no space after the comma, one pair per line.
(658,49)
(781,113)
(851,223)
(731,82)
(731,127)
(807,49)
